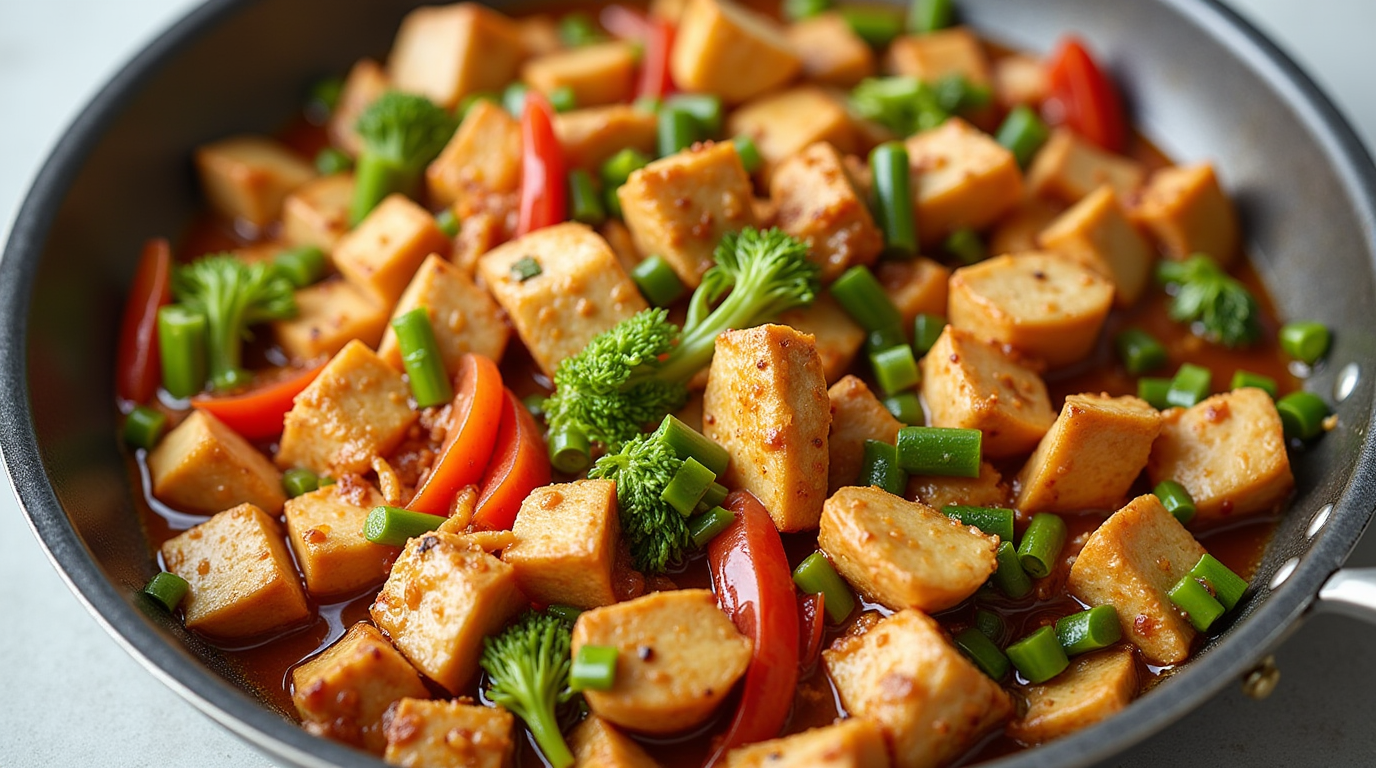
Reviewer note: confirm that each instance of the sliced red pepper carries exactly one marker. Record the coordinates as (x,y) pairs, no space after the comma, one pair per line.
(655,79)
(474,419)
(1086,95)
(812,624)
(137,368)
(543,183)
(755,588)
(258,414)
(520,464)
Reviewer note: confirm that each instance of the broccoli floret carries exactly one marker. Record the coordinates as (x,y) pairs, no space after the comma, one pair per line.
(401,134)
(232,295)
(637,371)
(655,532)
(1218,307)
(906,105)
(528,673)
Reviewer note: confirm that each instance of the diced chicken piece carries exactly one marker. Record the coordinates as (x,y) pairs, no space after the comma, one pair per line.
(1017,231)
(597,743)
(961,178)
(680,206)
(831,52)
(736,53)
(930,701)
(356,409)
(851,743)
(1131,562)
(1188,212)
(329,315)
(317,213)
(241,580)
(580,291)
(367,81)
(856,416)
(1097,233)
(1091,456)
(248,177)
(973,384)
(601,73)
(539,35)
(785,123)
(204,466)
(1228,452)
(1042,304)
(915,286)
(445,594)
(679,657)
(343,693)
(932,56)
(819,205)
(836,336)
(446,52)
(987,490)
(463,316)
(1068,167)
(439,734)
(1095,687)
(566,540)
(384,251)
(483,158)
(1019,79)
(325,530)
(766,404)
(589,137)
(902,554)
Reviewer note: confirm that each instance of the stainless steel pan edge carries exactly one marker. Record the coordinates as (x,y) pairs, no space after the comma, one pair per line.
(174,657)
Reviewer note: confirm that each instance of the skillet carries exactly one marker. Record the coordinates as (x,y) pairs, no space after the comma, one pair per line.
(1201,83)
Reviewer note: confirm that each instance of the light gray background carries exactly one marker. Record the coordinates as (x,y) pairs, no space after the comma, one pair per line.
(72,697)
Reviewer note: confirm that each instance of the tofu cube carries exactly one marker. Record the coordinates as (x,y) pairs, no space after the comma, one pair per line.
(818,204)
(902,554)
(915,286)
(1097,233)
(343,693)
(601,73)
(856,416)
(483,157)
(464,317)
(242,583)
(203,466)
(734,52)
(1068,167)
(1090,457)
(449,733)
(597,743)
(446,52)
(787,122)
(679,657)
(357,408)
(1094,688)
(1042,304)
(973,384)
(589,137)
(1228,452)
(367,81)
(317,213)
(619,240)
(247,178)
(831,52)
(681,205)
(566,540)
(325,530)
(479,234)
(987,490)
(1131,562)
(1188,212)
(384,251)
(581,290)
(1019,79)
(835,335)
(932,56)
(444,595)
(540,34)
(329,315)
(851,743)
(961,178)
(766,404)
(931,702)
(1018,230)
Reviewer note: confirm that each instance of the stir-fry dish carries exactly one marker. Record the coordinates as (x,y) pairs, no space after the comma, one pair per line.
(708,386)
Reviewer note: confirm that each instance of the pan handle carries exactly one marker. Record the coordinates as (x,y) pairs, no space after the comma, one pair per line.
(1351,592)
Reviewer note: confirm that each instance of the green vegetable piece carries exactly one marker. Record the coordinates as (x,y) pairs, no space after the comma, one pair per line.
(1009,576)
(167,589)
(563,99)
(797,10)
(656,533)
(815,575)
(1041,544)
(941,451)
(569,451)
(995,521)
(1154,391)
(1199,606)
(929,16)
(535,403)
(876,26)
(955,94)
(577,29)
(1302,415)
(657,281)
(904,105)
(621,165)
(303,266)
(879,468)
(232,296)
(906,408)
(982,651)
(1189,387)
(1139,351)
(884,339)
(1243,379)
(688,443)
(182,349)
(966,245)
(678,130)
(1176,500)
(708,525)
(927,329)
(526,268)
(705,108)
(893,199)
(748,152)
(585,201)
(393,526)
(1039,656)
(401,133)
(991,625)
(1304,340)
(864,299)
(467,103)
(420,356)
(687,486)
(514,98)
(1218,307)
(1227,587)
(594,668)
(330,161)
(1022,133)
(895,369)
(144,427)
(448,222)
(299,482)
(1089,630)
(528,670)
(568,613)
(715,495)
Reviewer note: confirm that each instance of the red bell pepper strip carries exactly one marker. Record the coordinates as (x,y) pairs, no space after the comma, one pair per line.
(812,624)
(543,184)
(258,414)
(474,418)
(755,588)
(655,79)
(137,369)
(624,22)
(520,464)
(1087,97)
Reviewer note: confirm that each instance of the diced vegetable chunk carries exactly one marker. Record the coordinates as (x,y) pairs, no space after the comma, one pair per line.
(249,177)
(325,530)
(446,52)
(1097,233)
(422,732)
(464,317)
(384,251)
(1094,688)
(856,416)
(731,51)
(851,743)
(961,178)
(819,205)
(566,543)
(204,466)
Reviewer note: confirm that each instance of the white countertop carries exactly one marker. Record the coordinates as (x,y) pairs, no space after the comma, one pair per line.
(76,699)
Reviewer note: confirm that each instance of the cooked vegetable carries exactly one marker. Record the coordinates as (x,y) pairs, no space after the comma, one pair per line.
(906,408)
(797,10)
(1022,133)
(137,367)
(1088,97)
(1010,578)
(1197,603)
(1039,656)
(563,99)
(708,525)
(585,202)
(893,199)
(1304,340)
(983,652)
(965,244)
(996,521)
(880,468)
(543,185)
(686,488)
(655,80)
(401,133)
(1041,544)
(815,576)
(749,153)
(1249,379)
(144,427)
(298,481)
(232,296)
(943,451)
(991,625)
(519,465)
(1139,351)
(1219,308)
(1176,500)
(1302,414)
(895,369)
(181,337)
(475,417)
(594,668)
(658,282)
(167,589)
(528,668)
(578,29)
(927,329)
(678,129)
(303,266)
(1089,630)
(877,26)
(1154,390)
(420,356)
(393,526)
(930,15)
(1227,587)
(864,299)
(448,222)
(705,108)
(904,105)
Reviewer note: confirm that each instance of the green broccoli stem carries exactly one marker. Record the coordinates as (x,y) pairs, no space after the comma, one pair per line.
(224,345)
(376,177)
(742,308)
(545,728)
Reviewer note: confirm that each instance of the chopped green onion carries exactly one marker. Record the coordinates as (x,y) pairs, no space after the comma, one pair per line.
(526,268)
(302,266)
(876,26)
(514,98)
(1154,391)
(168,589)
(884,339)
(326,481)
(965,245)
(420,356)
(705,108)
(748,152)
(893,199)
(1199,606)
(567,613)
(995,521)
(864,299)
(1176,500)
(797,10)
(879,468)
(585,202)
(991,625)
(330,161)
(895,369)
(619,167)
(690,443)
(956,94)
(1022,133)
(715,495)
(182,349)
(570,451)
(906,408)
(982,651)
(1302,415)
(929,15)
(1227,587)
(687,486)
(940,451)
(1039,656)
(706,526)
(678,130)
(1139,351)
(1009,576)
(816,575)
(1041,544)
(657,281)
(1304,340)
(1242,379)
(577,29)
(448,223)
(393,526)
(299,482)
(144,427)
(594,668)
(926,330)
(1189,387)
(1089,630)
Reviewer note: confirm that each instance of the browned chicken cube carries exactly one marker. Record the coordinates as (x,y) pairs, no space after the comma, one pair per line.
(589,137)
(836,336)
(483,158)
(600,73)
(784,123)
(938,492)
(1068,167)
(317,212)
(445,52)
(819,205)
(831,52)
(932,56)
(325,530)
(204,466)
(566,543)
(961,178)
(448,734)
(329,315)
(1097,233)
(366,82)
(463,316)
(1187,211)
(734,52)
(384,251)
(597,743)
(1095,687)
(915,286)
